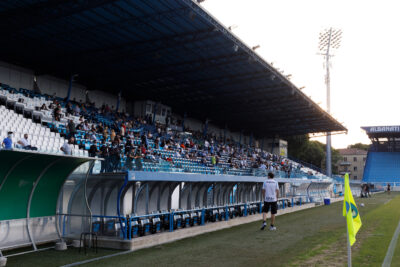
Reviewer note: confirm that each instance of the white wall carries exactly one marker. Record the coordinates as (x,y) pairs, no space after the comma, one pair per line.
(100,98)
(19,77)
(15,76)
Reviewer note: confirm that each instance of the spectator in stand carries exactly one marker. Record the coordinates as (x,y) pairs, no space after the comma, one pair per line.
(123,129)
(105,133)
(93,150)
(100,128)
(57,113)
(25,144)
(128,145)
(262,166)
(105,154)
(71,129)
(92,136)
(69,108)
(67,147)
(143,150)
(213,160)
(112,135)
(77,110)
(114,156)
(43,107)
(7,142)
(130,156)
(144,140)
(138,161)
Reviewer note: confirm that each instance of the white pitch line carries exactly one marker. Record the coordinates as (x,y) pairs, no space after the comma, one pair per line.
(392,247)
(97,259)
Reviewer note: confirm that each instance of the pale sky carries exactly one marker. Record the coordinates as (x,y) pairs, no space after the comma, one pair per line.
(364,89)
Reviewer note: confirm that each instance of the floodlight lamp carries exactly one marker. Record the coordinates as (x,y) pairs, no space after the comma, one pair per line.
(232,27)
(255,47)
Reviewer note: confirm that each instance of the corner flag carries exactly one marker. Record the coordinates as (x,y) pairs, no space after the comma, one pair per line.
(350,211)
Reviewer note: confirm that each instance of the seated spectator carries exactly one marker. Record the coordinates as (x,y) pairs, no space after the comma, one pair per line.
(69,108)
(43,107)
(25,144)
(7,142)
(92,136)
(143,149)
(67,147)
(263,166)
(77,110)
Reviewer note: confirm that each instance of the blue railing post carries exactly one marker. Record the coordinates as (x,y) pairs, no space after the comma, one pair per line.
(300,201)
(245,209)
(203,212)
(226,213)
(129,227)
(283,204)
(63,234)
(126,228)
(292,203)
(260,206)
(171,221)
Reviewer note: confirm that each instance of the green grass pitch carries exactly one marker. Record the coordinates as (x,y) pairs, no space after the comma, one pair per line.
(313,237)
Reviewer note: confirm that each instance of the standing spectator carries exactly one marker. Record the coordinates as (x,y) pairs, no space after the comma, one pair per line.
(138,161)
(71,129)
(105,154)
(112,135)
(144,140)
(130,156)
(128,145)
(69,108)
(57,113)
(93,150)
(114,156)
(7,142)
(67,147)
(25,144)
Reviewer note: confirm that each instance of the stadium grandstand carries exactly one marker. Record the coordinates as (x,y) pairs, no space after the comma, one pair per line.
(383,159)
(121,119)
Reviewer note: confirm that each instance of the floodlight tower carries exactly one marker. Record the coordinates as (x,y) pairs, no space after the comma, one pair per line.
(329,42)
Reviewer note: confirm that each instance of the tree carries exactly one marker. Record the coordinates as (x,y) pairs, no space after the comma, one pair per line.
(312,152)
(360,146)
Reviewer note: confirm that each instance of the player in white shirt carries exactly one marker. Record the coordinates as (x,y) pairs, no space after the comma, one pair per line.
(270,193)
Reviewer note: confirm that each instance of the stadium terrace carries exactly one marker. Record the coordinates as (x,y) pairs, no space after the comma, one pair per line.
(126,119)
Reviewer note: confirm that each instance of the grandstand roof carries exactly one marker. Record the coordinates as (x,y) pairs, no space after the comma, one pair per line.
(169,51)
(382,131)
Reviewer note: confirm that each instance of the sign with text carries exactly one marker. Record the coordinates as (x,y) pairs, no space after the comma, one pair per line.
(382,129)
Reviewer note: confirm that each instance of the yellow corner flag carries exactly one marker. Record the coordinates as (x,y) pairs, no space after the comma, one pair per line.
(350,211)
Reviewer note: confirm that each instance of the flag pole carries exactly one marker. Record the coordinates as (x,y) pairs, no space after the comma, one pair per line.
(348,246)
